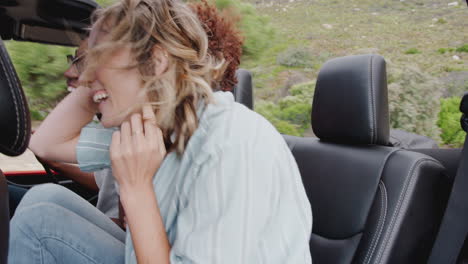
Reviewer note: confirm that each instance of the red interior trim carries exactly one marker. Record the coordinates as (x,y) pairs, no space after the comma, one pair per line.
(25,173)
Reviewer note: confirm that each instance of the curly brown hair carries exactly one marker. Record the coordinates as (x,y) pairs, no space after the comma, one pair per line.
(224,40)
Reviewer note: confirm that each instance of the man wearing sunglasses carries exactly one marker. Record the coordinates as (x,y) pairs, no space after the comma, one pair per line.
(89,180)
(70,171)
(76,67)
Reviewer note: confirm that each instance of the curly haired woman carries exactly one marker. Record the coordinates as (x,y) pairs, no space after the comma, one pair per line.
(224,40)
(201,178)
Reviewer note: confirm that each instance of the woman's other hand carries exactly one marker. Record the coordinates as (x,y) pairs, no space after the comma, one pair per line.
(137,151)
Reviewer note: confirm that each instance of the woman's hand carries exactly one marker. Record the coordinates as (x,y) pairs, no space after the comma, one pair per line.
(137,151)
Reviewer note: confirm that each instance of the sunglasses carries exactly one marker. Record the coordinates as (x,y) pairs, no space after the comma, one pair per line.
(76,61)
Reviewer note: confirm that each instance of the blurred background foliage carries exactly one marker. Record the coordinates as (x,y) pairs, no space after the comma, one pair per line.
(411,109)
(40,69)
(257,30)
(291,114)
(449,122)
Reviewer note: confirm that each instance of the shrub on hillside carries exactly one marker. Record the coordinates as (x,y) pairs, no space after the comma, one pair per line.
(413,100)
(441,21)
(272,113)
(463,48)
(298,114)
(286,128)
(256,29)
(442,50)
(412,51)
(291,115)
(295,57)
(449,122)
(304,91)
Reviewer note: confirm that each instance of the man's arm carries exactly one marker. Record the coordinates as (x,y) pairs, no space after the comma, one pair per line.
(72,172)
(57,136)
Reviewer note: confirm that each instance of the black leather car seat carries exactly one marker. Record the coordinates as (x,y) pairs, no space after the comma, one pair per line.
(371,203)
(15,125)
(15,130)
(243,92)
(406,140)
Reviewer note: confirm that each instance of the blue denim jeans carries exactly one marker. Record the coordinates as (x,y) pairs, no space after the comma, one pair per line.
(15,194)
(54,225)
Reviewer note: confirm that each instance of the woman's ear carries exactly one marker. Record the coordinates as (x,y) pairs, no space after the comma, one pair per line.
(161,59)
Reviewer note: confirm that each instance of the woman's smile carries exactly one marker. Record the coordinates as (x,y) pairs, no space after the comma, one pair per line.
(100,96)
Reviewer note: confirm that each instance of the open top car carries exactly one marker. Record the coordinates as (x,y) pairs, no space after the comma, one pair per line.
(372,202)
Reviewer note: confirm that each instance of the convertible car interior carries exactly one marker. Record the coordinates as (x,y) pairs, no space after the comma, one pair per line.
(373,201)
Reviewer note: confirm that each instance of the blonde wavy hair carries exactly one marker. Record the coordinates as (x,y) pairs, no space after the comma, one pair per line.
(175,30)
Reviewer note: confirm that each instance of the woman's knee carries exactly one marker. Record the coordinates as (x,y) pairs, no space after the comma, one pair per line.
(32,225)
(44,193)
(61,234)
(24,243)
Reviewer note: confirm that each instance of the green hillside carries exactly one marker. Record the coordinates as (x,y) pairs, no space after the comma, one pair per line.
(425,44)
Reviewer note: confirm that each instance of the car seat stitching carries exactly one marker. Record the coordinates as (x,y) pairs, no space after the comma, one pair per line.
(13,95)
(380,224)
(371,101)
(314,102)
(21,102)
(387,157)
(24,110)
(390,231)
(2,50)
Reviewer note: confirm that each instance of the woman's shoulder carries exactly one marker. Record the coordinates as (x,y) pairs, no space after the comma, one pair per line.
(227,124)
(231,120)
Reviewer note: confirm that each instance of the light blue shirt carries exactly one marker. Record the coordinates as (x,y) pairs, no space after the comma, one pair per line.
(234,196)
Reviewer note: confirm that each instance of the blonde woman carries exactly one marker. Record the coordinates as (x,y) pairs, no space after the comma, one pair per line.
(201,178)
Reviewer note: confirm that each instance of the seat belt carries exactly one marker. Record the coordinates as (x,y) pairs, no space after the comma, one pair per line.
(454,227)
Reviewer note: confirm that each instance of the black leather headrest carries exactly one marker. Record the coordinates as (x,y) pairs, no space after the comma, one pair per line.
(15,124)
(351,102)
(243,89)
